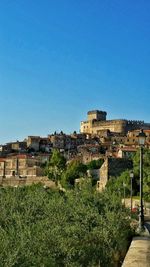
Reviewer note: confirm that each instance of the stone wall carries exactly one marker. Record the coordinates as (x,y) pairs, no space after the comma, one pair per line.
(112,125)
(134,125)
(104,175)
(16,181)
(112,167)
(138,253)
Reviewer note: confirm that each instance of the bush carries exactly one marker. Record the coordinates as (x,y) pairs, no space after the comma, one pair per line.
(78,228)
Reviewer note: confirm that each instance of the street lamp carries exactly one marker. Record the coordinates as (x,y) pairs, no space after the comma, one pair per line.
(131,179)
(141,139)
(124,193)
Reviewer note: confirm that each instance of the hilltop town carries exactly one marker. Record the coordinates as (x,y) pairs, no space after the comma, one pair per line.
(114,141)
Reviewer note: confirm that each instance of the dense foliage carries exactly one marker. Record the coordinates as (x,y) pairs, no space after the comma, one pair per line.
(125,180)
(44,227)
(74,170)
(57,169)
(146,172)
(56,166)
(95,164)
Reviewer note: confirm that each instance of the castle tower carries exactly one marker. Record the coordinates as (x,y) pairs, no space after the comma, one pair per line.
(96,115)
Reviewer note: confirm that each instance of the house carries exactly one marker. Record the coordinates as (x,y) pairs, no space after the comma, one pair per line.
(33,143)
(132,138)
(90,152)
(20,165)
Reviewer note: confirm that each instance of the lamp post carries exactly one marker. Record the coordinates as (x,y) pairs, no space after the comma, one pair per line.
(141,139)
(124,193)
(131,179)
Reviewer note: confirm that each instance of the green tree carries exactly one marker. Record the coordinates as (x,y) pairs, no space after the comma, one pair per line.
(124,179)
(122,184)
(55,166)
(75,169)
(79,228)
(95,164)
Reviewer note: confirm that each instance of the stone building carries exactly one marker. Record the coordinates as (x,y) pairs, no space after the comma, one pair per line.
(20,165)
(97,122)
(63,141)
(33,142)
(12,147)
(38,144)
(132,138)
(89,152)
(45,145)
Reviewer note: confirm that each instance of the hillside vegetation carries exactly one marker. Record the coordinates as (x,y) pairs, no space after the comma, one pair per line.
(45,227)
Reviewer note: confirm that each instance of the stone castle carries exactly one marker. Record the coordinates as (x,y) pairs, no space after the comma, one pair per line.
(97,122)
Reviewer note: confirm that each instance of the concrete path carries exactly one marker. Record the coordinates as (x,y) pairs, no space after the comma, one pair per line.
(138,254)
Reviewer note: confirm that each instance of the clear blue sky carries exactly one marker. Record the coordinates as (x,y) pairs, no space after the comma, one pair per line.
(61,58)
